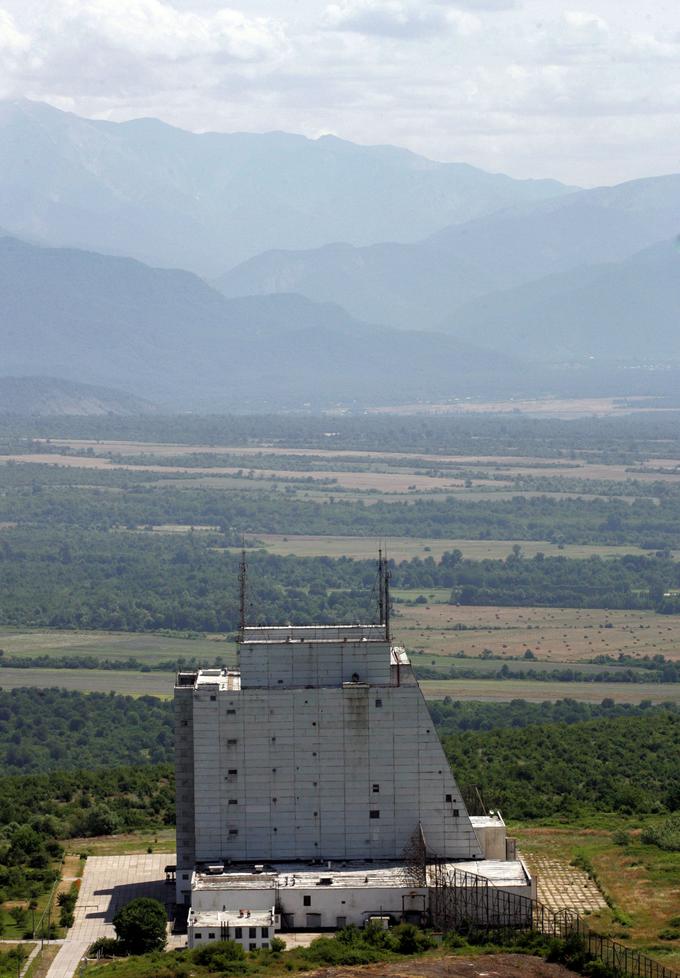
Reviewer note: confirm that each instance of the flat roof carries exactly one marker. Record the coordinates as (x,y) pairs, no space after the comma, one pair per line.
(351,873)
(229,679)
(232,918)
(493,820)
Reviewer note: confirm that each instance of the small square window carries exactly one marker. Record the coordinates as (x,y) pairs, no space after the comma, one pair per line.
(233,832)
(213,698)
(185,876)
(231,713)
(252,946)
(378,703)
(306,901)
(375,813)
(456,812)
(211,937)
(376,789)
(198,937)
(232,742)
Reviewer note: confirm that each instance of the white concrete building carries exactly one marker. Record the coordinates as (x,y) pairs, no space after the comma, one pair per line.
(251,929)
(306,779)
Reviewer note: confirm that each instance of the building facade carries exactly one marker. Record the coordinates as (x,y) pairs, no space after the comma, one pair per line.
(319,750)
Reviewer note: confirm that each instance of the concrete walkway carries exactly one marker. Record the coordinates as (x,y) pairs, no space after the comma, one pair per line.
(109,882)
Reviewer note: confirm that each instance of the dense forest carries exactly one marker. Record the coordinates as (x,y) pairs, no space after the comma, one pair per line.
(621,764)
(532,759)
(136,581)
(621,439)
(54,729)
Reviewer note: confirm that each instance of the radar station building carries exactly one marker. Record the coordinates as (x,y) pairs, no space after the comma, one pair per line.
(310,783)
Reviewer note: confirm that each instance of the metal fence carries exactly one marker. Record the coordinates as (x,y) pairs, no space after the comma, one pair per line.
(467,903)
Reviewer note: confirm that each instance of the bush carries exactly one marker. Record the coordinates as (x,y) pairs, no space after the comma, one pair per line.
(277,944)
(219,955)
(140,925)
(665,836)
(105,947)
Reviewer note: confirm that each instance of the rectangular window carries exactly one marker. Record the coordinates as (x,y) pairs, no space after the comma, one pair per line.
(375,813)
(232,774)
(198,937)
(252,947)
(378,703)
(265,932)
(456,812)
(233,801)
(232,742)
(233,832)
(211,937)
(306,901)
(231,713)
(213,697)
(449,797)
(252,932)
(238,933)
(376,789)
(185,876)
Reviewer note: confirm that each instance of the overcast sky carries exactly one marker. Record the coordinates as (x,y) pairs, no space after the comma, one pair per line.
(587,92)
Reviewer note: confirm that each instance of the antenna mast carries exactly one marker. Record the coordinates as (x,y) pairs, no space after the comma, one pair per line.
(381,588)
(387,574)
(242,581)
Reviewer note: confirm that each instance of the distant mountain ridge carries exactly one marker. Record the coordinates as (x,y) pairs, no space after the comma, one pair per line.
(165,334)
(209,201)
(628,310)
(54,396)
(422,285)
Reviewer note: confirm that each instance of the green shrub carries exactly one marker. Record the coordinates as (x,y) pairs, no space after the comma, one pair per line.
(665,836)
(105,947)
(140,925)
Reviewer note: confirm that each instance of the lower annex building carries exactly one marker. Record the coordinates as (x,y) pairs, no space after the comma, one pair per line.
(307,780)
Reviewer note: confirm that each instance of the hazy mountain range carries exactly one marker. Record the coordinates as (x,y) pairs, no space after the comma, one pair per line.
(54,395)
(205,202)
(371,275)
(421,285)
(167,334)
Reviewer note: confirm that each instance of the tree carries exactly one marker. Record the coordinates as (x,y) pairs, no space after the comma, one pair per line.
(140,925)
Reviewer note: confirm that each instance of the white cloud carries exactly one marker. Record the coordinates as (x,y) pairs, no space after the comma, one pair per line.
(388,18)
(589,93)
(12,40)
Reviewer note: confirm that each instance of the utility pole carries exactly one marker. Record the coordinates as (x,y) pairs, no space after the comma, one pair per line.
(381,589)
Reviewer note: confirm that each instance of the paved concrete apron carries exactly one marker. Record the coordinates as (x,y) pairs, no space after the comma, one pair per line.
(109,882)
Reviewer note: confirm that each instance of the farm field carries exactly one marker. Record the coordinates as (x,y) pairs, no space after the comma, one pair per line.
(161,684)
(405,548)
(554,634)
(91,681)
(505,690)
(148,649)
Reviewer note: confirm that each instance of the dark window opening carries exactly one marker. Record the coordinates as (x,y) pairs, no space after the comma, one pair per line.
(375,813)
(306,901)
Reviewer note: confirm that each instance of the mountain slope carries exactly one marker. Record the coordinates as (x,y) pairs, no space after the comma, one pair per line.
(50,395)
(421,285)
(169,336)
(624,310)
(208,201)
